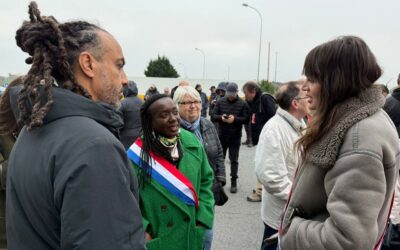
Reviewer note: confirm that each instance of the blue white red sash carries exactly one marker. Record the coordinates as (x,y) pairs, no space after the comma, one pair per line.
(166,174)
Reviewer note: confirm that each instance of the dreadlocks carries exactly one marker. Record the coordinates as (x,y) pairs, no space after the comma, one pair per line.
(53,49)
(150,142)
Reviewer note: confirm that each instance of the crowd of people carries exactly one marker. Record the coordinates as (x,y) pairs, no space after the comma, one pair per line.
(83,168)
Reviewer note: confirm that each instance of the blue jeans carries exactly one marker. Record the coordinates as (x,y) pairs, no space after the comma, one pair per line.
(208,237)
(268,231)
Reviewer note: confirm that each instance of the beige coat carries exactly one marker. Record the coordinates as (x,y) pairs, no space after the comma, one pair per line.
(341,194)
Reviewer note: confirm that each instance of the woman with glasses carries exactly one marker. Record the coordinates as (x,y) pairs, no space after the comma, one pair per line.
(189,105)
(342,191)
(175,179)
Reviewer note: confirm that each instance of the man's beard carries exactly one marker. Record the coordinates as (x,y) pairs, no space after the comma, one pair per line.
(109,93)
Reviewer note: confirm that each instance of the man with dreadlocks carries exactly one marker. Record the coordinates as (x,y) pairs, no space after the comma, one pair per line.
(175,179)
(70,185)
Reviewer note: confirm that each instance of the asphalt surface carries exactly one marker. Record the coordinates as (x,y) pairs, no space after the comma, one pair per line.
(238,224)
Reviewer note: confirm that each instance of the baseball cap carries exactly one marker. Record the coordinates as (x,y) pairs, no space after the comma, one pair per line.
(231,89)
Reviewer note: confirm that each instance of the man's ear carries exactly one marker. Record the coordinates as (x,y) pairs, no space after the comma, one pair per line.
(294,104)
(86,62)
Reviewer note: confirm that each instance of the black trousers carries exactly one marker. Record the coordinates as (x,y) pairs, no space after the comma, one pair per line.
(247,129)
(233,144)
(268,231)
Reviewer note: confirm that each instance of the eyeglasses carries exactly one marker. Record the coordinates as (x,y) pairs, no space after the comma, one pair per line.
(189,102)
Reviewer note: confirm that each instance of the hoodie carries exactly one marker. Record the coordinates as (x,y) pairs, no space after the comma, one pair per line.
(130,111)
(70,185)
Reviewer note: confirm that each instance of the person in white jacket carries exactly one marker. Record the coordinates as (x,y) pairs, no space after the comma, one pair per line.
(275,160)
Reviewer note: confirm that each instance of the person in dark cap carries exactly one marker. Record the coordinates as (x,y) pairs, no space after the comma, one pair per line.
(231,112)
(130,109)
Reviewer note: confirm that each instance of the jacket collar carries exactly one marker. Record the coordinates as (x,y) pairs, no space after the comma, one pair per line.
(297,125)
(188,139)
(325,151)
(67,103)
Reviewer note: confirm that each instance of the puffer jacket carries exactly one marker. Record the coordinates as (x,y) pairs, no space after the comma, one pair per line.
(342,192)
(213,148)
(239,109)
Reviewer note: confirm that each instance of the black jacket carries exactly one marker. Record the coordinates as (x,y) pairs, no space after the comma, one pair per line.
(262,108)
(204,104)
(239,109)
(213,148)
(392,107)
(130,109)
(70,185)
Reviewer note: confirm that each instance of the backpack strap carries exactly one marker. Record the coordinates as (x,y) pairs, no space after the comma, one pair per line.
(261,106)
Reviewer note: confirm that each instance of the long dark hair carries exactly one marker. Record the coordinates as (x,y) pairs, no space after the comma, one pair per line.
(53,49)
(344,67)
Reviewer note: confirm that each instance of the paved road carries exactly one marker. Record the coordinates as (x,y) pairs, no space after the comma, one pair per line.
(238,224)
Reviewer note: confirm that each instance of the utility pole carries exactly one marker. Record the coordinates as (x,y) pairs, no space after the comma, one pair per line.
(269,47)
(276,64)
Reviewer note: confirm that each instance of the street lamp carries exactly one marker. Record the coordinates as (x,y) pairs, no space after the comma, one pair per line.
(276,64)
(184,69)
(259,49)
(204,62)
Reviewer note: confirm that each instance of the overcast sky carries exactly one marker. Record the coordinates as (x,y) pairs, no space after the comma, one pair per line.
(226,31)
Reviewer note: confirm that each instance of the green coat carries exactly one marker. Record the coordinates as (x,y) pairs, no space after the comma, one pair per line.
(170,222)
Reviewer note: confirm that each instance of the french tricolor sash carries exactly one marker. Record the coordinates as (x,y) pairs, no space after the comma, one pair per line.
(166,174)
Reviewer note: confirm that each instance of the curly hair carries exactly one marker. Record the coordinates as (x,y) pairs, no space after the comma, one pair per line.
(53,48)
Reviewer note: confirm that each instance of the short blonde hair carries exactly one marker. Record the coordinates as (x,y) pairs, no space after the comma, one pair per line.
(182,91)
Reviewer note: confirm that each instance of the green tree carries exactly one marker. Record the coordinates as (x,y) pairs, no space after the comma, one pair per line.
(160,67)
(268,87)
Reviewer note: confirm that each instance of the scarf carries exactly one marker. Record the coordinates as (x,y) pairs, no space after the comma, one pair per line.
(171,144)
(193,127)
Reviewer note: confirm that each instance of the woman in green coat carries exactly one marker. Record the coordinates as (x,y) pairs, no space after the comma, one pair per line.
(175,179)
